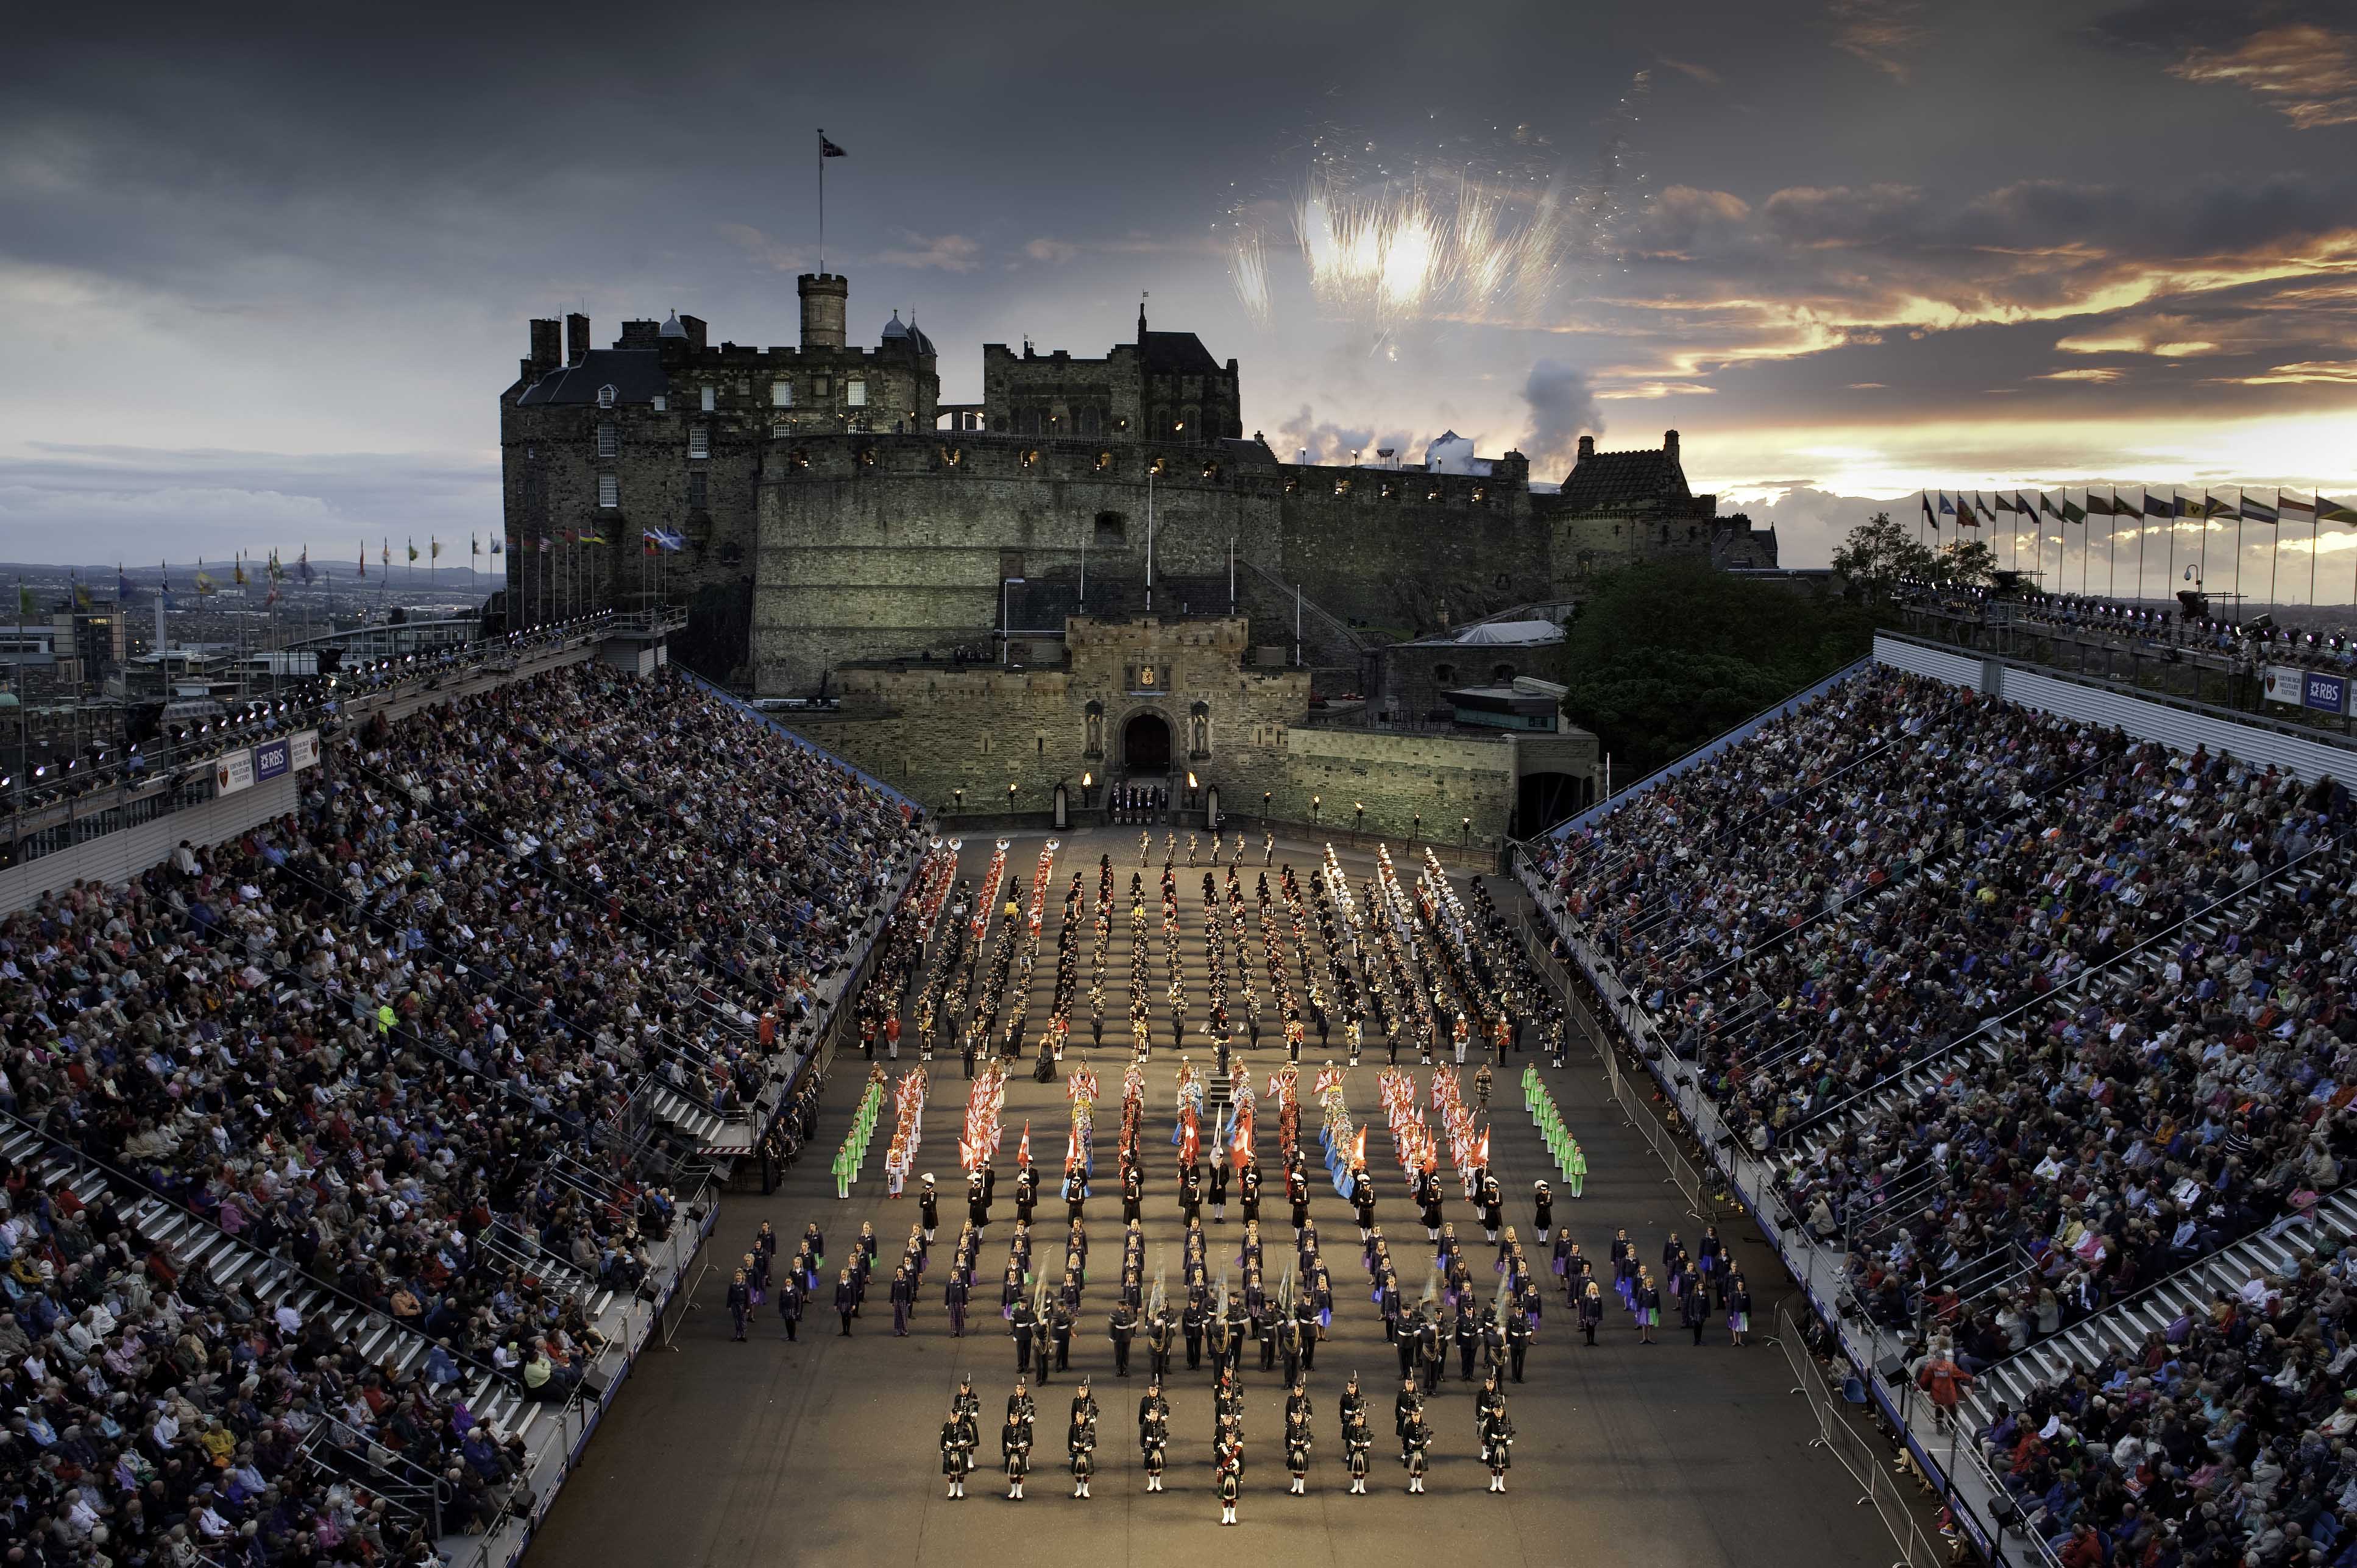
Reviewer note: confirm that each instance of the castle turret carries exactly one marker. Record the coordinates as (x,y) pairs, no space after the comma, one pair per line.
(826,297)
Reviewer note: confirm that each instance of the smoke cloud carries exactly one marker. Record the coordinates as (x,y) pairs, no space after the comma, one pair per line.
(1563,408)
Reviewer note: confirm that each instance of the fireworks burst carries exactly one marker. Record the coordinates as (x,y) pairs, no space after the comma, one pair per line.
(1470,227)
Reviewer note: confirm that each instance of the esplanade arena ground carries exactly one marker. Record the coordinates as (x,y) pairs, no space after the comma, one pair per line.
(827,1450)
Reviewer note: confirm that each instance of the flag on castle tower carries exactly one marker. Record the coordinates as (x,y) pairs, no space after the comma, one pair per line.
(827,149)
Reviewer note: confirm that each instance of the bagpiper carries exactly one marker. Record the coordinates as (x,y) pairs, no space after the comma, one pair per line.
(957,1452)
(1417,1439)
(1297,1449)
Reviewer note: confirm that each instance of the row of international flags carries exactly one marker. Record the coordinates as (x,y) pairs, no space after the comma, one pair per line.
(652,538)
(2141,501)
(242,570)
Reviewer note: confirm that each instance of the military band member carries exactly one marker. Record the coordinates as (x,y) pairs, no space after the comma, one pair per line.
(1297,1449)
(1358,1446)
(1153,1435)
(1418,1441)
(1059,1333)
(1121,1329)
(957,1453)
(1014,1442)
(1020,1322)
(1159,1334)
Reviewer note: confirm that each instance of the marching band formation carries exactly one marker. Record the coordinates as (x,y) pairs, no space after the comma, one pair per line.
(1387,964)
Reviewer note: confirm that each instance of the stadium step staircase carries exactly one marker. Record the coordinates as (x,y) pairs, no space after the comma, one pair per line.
(197,1246)
(2125,1325)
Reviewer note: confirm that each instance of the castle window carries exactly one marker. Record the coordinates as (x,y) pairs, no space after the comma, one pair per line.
(781,394)
(1503,674)
(855,394)
(662,403)
(1088,421)
(1444,673)
(822,384)
(609,490)
(698,489)
(709,395)
(608,444)
(699,441)
(1113,530)
(605,397)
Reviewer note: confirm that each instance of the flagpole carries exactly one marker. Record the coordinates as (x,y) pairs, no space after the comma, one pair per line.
(2144,535)
(2112,549)
(2201,562)
(2315,525)
(2238,555)
(2274,542)
(2171,577)
(822,201)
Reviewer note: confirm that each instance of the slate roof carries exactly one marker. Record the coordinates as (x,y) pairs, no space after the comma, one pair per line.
(1617,481)
(1177,354)
(635,374)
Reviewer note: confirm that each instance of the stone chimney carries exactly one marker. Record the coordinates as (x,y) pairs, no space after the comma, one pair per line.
(547,346)
(1586,447)
(577,338)
(1670,443)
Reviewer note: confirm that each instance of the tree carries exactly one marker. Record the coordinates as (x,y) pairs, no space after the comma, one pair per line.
(1879,554)
(1666,654)
(1968,563)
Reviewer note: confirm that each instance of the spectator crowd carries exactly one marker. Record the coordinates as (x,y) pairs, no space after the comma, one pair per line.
(329,1148)
(2027,1014)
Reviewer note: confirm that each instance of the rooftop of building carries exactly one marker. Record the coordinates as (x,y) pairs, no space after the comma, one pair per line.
(1606,481)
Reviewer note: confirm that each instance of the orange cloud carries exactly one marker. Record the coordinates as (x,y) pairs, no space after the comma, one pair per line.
(2338,372)
(2307,73)
(1878,32)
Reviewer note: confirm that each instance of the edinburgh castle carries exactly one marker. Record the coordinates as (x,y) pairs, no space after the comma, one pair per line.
(987,592)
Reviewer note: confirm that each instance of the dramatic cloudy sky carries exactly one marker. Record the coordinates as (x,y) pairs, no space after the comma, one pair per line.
(263,272)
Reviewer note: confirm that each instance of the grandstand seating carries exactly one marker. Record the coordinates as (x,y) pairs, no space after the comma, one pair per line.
(2047,1033)
(337,1155)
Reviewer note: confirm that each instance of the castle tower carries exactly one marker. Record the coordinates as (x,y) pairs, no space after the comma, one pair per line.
(825,298)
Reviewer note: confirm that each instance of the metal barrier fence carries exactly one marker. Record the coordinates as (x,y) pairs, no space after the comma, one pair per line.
(1876,1482)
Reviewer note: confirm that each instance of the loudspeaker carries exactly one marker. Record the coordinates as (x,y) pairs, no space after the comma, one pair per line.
(1893,1369)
